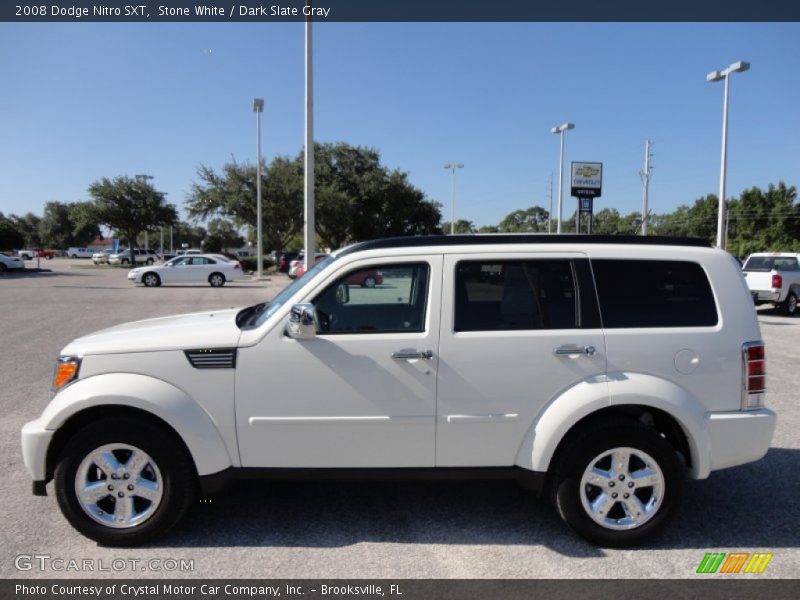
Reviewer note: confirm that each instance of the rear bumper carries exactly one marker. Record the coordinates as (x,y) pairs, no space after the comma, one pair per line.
(740,437)
(766,295)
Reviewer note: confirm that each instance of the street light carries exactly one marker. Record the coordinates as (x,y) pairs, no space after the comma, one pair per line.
(258,108)
(714,76)
(560,130)
(142,178)
(453,167)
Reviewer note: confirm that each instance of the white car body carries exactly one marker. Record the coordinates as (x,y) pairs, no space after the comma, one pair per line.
(79,252)
(450,399)
(10,262)
(101,258)
(189,268)
(141,256)
(773,277)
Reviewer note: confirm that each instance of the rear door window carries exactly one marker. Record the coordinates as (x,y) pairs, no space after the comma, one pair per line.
(654,293)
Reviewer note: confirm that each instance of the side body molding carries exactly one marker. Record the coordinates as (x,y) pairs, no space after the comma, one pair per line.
(616,389)
(152,395)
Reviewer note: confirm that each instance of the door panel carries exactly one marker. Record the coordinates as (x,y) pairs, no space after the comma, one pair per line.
(341,399)
(514,336)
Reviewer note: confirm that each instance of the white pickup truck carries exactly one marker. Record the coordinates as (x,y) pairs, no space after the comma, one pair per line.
(774,277)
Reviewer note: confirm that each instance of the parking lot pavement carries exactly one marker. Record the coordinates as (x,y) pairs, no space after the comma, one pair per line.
(386,529)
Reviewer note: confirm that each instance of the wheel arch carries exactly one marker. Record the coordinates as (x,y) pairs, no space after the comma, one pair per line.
(112,395)
(665,407)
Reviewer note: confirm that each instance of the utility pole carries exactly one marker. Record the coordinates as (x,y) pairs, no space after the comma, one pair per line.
(258,108)
(645,175)
(308,164)
(550,210)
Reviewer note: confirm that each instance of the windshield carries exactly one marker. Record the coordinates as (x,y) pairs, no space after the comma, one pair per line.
(253,316)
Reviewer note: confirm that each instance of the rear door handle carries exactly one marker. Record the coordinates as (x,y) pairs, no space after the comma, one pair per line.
(403,355)
(575,351)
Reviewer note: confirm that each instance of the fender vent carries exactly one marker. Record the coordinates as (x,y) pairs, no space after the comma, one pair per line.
(213,358)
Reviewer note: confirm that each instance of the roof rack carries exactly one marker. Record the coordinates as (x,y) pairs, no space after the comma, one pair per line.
(477,239)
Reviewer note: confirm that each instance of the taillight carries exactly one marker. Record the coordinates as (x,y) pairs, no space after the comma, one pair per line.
(237,266)
(777,281)
(754,375)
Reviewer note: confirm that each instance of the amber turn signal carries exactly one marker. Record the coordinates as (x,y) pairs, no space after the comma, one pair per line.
(66,371)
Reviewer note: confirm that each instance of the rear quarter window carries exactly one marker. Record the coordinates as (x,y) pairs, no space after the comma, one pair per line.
(654,293)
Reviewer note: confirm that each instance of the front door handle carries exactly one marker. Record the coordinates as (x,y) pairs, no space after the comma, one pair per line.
(409,355)
(575,351)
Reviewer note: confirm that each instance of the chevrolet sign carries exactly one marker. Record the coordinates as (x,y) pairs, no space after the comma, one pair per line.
(586,180)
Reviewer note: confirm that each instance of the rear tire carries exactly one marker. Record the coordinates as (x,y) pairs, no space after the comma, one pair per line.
(587,474)
(369,282)
(789,306)
(74,256)
(166,474)
(216,279)
(3,268)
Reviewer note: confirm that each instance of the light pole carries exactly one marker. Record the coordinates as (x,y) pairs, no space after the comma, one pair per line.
(308,163)
(258,108)
(453,167)
(143,178)
(737,67)
(560,130)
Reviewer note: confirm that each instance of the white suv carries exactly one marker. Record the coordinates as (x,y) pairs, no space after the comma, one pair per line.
(602,370)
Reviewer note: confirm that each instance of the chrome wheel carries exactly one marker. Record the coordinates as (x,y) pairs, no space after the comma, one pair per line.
(119,485)
(622,488)
(151,280)
(216,280)
(791,304)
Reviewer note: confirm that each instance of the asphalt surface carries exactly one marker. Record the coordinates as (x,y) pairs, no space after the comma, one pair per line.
(363,530)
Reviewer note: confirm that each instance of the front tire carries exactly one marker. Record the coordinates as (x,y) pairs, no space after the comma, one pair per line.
(618,483)
(151,280)
(216,279)
(122,482)
(789,306)
(369,282)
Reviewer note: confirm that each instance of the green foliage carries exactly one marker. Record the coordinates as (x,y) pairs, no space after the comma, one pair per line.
(224,234)
(533,219)
(357,198)
(10,236)
(130,206)
(64,225)
(462,226)
(28,226)
(250,263)
(186,233)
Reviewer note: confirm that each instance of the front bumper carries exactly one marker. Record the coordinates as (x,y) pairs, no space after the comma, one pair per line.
(35,442)
(740,437)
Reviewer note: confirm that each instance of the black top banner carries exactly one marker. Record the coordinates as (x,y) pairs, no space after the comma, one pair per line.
(403,11)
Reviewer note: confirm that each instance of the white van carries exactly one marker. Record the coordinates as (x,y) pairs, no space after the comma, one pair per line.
(80,253)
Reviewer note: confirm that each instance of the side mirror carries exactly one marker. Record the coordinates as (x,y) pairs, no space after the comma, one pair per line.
(343,293)
(302,322)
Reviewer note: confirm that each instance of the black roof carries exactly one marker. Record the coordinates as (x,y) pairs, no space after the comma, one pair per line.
(522,238)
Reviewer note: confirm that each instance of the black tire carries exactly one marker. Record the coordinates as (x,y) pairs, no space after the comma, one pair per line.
(151,279)
(369,282)
(150,261)
(74,256)
(3,268)
(585,446)
(789,306)
(179,478)
(124,261)
(216,279)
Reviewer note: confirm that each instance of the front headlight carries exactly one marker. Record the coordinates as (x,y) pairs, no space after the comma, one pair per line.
(66,371)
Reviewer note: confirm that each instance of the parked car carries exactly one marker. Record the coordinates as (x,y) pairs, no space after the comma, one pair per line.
(774,278)
(36,253)
(195,268)
(298,264)
(10,262)
(79,252)
(602,369)
(101,258)
(284,261)
(141,255)
(243,253)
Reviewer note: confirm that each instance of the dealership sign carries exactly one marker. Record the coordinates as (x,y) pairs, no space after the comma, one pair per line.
(587,179)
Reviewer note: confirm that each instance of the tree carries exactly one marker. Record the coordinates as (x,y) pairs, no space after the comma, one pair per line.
(28,226)
(186,233)
(462,226)
(130,206)
(10,236)
(232,194)
(533,219)
(64,225)
(221,235)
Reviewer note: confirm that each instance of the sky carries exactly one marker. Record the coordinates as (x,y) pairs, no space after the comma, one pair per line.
(80,101)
